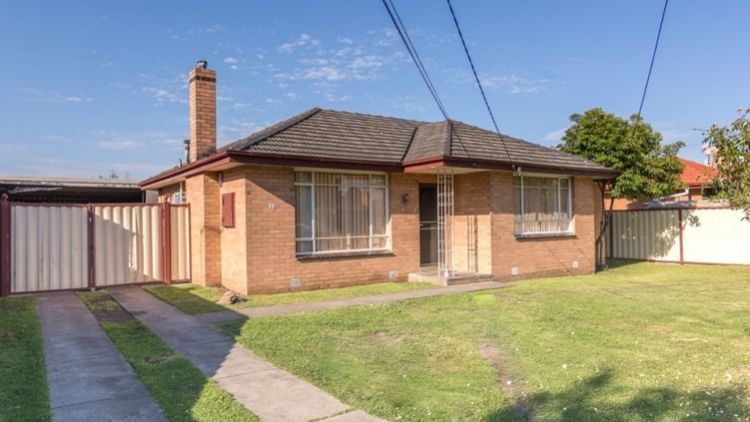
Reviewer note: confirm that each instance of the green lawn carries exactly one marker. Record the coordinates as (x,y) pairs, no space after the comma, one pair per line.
(638,342)
(181,389)
(194,299)
(23,379)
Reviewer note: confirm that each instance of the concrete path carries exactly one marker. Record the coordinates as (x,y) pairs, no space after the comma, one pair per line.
(269,392)
(89,380)
(352,301)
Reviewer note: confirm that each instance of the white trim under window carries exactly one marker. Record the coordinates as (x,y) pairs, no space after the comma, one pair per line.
(341,212)
(543,205)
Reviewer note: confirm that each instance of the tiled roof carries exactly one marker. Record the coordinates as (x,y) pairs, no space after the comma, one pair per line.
(696,174)
(330,134)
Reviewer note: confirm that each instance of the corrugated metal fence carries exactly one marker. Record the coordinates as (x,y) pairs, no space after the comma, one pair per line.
(64,246)
(708,235)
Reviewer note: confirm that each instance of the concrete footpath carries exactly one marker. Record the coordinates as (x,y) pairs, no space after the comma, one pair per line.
(351,301)
(269,392)
(88,378)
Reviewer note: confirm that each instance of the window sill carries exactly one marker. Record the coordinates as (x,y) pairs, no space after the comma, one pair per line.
(562,235)
(336,255)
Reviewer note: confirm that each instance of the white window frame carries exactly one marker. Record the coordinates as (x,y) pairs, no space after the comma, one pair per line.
(179,197)
(370,236)
(571,224)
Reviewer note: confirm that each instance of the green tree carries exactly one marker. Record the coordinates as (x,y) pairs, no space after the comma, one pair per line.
(649,168)
(732,144)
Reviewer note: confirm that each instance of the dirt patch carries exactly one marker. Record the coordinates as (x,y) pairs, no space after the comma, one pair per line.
(106,309)
(8,337)
(505,377)
(495,358)
(377,335)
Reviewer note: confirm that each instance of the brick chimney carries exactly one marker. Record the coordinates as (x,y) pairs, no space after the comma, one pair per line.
(202,87)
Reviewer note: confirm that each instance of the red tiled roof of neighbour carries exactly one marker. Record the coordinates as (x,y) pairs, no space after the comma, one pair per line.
(328,137)
(696,174)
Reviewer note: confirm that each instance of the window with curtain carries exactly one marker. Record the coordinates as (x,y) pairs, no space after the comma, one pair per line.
(543,205)
(341,212)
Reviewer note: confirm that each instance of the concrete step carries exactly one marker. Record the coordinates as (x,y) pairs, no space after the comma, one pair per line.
(432,277)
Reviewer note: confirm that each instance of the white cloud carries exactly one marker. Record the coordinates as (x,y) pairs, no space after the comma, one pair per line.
(345,40)
(231,60)
(555,135)
(367,62)
(162,95)
(301,41)
(513,84)
(328,73)
(45,166)
(119,145)
(39,96)
(332,98)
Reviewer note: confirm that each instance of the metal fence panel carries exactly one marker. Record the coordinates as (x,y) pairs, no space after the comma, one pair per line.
(127,244)
(718,236)
(49,248)
(180,250)
(712,235)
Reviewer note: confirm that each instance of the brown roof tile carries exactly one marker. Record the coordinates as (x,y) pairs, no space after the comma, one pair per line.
(331,135)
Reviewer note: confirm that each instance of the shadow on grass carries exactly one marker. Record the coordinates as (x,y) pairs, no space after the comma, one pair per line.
(586,400)
(183,389)
(614,263)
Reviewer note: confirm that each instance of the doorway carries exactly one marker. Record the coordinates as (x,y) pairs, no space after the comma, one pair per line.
(428,226)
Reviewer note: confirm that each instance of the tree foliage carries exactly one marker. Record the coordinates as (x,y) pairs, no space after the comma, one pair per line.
(732,144)
(650,169)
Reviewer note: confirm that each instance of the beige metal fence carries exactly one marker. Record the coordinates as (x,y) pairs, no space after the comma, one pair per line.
(180,244)
(127,244)
(711,235)
(49,248)
(59,247)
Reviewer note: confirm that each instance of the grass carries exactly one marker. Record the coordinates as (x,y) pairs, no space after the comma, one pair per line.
(638,342)
(23,379)
(193,299)
(181,389)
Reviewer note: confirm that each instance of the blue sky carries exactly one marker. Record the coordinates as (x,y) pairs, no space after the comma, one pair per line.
(94,86)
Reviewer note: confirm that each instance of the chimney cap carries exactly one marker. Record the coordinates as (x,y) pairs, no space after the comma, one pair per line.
(202,64)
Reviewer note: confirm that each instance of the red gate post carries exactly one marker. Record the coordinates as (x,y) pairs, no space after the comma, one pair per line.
(5,246)
(166,242)
(90,226)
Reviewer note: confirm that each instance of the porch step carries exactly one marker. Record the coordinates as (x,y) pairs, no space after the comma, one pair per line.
(432,277)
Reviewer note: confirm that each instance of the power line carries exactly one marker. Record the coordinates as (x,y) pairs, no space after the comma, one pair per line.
(476,77)
(404,35)
(653,57)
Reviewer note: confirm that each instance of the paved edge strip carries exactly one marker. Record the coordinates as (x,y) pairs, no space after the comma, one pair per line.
(88,376)
(347,302)
(270,393)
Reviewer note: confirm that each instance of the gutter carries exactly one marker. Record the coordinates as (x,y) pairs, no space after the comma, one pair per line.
(243,157)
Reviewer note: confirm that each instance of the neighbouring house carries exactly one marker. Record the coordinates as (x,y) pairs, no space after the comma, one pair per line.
(71,190)
(697,179)
(333,198)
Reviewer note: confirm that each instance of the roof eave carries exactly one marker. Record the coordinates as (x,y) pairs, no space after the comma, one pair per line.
(244,157)
(415,165)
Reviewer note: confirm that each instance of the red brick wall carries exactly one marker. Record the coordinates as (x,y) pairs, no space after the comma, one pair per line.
(544,256)
(202,102)
(258,254)
(234,257)
(205,240)
(272,261)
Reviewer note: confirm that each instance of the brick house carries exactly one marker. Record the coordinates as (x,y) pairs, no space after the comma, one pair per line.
(332,198)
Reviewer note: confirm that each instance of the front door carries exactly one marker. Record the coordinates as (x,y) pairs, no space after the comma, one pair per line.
(428,225)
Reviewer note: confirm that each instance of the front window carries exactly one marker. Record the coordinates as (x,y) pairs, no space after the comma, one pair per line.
(543,205)
(341,212)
